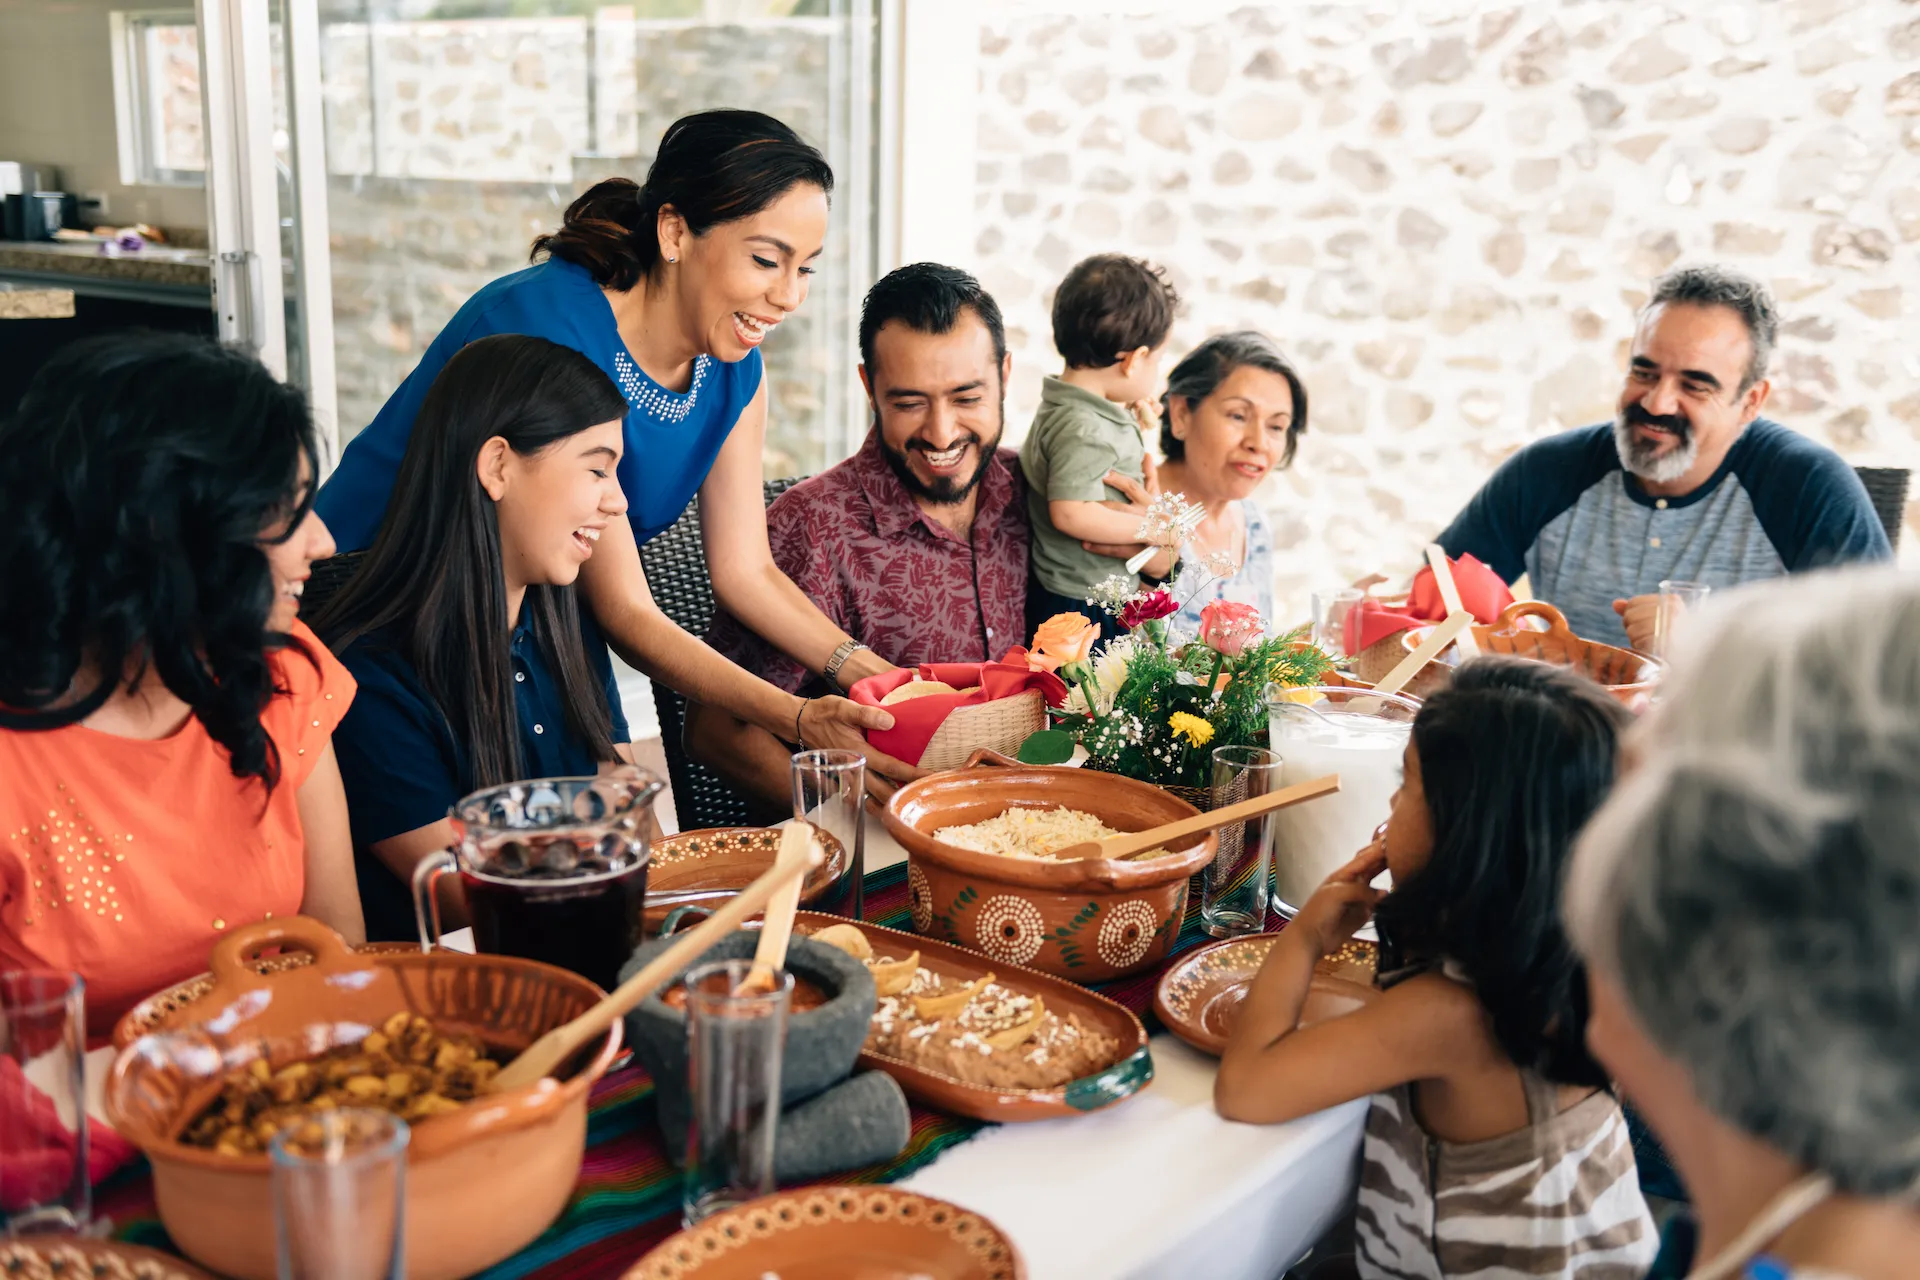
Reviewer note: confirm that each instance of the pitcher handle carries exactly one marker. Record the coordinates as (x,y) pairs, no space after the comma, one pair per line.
(679,916)
(426,901)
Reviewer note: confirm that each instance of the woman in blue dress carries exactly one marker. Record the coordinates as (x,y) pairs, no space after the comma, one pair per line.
(670,287)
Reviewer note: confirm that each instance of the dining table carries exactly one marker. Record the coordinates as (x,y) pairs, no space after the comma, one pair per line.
(1154,1185)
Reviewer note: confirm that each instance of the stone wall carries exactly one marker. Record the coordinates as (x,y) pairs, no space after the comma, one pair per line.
(1449,212)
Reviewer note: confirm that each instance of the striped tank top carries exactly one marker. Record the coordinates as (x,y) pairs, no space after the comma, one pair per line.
(1557,1198)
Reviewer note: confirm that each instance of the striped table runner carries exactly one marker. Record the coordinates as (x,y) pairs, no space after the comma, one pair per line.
(628,1198)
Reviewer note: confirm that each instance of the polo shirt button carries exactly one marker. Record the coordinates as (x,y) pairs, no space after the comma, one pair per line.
(1653,542)
(539,729)
(519,677)
(1660,504)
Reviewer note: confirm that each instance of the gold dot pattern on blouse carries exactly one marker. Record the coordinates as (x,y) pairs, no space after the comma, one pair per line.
(72,865)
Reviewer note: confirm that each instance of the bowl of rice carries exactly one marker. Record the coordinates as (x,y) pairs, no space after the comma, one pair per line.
(979,844)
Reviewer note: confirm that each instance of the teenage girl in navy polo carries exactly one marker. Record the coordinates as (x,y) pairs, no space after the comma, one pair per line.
(670,288)
(461,627)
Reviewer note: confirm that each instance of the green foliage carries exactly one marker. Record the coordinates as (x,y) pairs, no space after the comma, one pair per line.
(1047,746)
(1136,737)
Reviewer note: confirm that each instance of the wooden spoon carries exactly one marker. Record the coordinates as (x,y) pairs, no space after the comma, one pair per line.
(1120,847)
(775,931)
(543,1056)
(1450,596)
(1437,639)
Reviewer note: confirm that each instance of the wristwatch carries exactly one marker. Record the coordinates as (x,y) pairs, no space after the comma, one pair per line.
(838,660)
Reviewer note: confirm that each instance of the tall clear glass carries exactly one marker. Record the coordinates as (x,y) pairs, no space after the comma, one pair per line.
(43,1102)
(830,791)
(339,1196)
(1677,601)
(1233,887)
(735,1045)
(1330,610)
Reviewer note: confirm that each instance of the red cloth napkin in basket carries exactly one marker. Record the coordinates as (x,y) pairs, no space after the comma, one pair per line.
(39,1146)
(1482,594)
(916,720)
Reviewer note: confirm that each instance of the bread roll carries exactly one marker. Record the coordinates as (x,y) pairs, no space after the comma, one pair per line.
(917,689)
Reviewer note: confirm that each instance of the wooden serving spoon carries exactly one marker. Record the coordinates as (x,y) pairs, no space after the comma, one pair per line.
(1437,639)
(1450,596)
(545,1055)
(777,929)
(1121,847)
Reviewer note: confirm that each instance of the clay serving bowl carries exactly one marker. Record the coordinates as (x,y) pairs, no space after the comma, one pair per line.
(821,1045)
(711,865)
(1627,675)
(1086,921)
(482,1181)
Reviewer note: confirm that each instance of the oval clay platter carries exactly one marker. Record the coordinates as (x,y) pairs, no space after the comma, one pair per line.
(1199,997)
(831,1233)
(706,867)
(1130,1070)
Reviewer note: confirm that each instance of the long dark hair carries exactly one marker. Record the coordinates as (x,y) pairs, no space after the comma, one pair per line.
(1515,756)
(141,471)
(1202,370)
(712,167)
(433,578)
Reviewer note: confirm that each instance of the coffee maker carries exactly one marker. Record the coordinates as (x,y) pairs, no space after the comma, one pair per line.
(33,205)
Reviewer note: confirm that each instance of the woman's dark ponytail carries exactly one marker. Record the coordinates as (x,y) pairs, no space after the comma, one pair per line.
(712,167)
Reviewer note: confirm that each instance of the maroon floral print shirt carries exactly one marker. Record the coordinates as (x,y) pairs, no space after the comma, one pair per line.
(911,589)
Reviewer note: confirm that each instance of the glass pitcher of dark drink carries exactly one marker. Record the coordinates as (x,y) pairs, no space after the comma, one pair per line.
(552,869)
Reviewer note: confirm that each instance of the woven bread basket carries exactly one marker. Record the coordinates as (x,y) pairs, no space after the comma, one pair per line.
(1000,725)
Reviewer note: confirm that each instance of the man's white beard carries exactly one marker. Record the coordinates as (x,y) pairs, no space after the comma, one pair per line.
(1642,461)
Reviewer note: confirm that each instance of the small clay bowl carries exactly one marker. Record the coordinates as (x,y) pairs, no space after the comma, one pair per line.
(482,1181)
(822,1043)
(1086,921)
(712,864)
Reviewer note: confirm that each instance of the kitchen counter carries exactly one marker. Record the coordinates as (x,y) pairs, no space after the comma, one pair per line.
(157,273)
(34,302)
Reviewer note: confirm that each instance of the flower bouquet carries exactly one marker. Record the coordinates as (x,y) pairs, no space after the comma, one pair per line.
(1152,704)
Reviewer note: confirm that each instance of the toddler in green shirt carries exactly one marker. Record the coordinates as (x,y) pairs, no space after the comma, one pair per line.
(1111,318)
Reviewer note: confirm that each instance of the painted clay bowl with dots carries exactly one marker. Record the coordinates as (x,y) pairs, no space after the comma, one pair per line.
(1087,920)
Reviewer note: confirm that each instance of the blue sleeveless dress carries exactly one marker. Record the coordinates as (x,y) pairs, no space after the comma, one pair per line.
(671,437)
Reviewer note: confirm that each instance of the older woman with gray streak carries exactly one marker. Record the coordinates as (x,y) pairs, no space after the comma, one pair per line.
(1748,903)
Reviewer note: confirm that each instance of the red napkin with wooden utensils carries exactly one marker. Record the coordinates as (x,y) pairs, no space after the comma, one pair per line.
(1482,594)
(916,720)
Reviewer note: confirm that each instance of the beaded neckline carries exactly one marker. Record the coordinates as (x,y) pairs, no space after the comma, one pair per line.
(643,392)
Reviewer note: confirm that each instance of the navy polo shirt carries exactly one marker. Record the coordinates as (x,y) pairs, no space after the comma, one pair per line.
(404,768)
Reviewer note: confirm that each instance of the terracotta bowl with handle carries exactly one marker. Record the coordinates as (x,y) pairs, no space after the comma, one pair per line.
(1087,920)
(482,1181)
(1627,675)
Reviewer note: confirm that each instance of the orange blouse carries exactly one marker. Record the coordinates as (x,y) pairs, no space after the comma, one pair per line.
(123,860)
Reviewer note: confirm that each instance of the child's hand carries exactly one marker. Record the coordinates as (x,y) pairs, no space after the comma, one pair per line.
(1146,415)
(1345,902)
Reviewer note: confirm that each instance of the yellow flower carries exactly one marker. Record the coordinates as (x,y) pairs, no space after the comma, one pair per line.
(1191,727)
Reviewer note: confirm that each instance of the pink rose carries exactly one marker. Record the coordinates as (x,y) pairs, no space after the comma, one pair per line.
(1228,627)
(1148,606)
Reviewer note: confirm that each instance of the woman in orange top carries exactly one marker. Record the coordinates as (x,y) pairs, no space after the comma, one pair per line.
(166,769)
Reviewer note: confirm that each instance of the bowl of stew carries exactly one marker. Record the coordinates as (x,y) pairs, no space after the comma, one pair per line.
(827,1020)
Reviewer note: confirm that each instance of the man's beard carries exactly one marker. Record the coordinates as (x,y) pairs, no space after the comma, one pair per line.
(943,491)
(1643,458)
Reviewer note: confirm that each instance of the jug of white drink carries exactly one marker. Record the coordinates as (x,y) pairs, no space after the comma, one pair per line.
(1355,733)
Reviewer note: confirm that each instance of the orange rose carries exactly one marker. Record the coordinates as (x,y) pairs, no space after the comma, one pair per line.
(1062,640)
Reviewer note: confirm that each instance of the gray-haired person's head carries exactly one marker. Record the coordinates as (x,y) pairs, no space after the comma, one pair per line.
(1753,885)
(1711,285)
(1202,370)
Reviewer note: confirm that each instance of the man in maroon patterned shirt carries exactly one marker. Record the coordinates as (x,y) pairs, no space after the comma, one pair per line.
(917,544)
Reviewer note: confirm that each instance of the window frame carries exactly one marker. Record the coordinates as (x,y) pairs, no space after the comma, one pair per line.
(133,98)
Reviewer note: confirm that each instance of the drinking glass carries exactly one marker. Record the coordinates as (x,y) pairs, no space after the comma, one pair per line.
(43,1102)
(552,869)
(830,791)
(1677,600)
(1233,887)
(1330,610)
(339,1196)
(734,1047)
